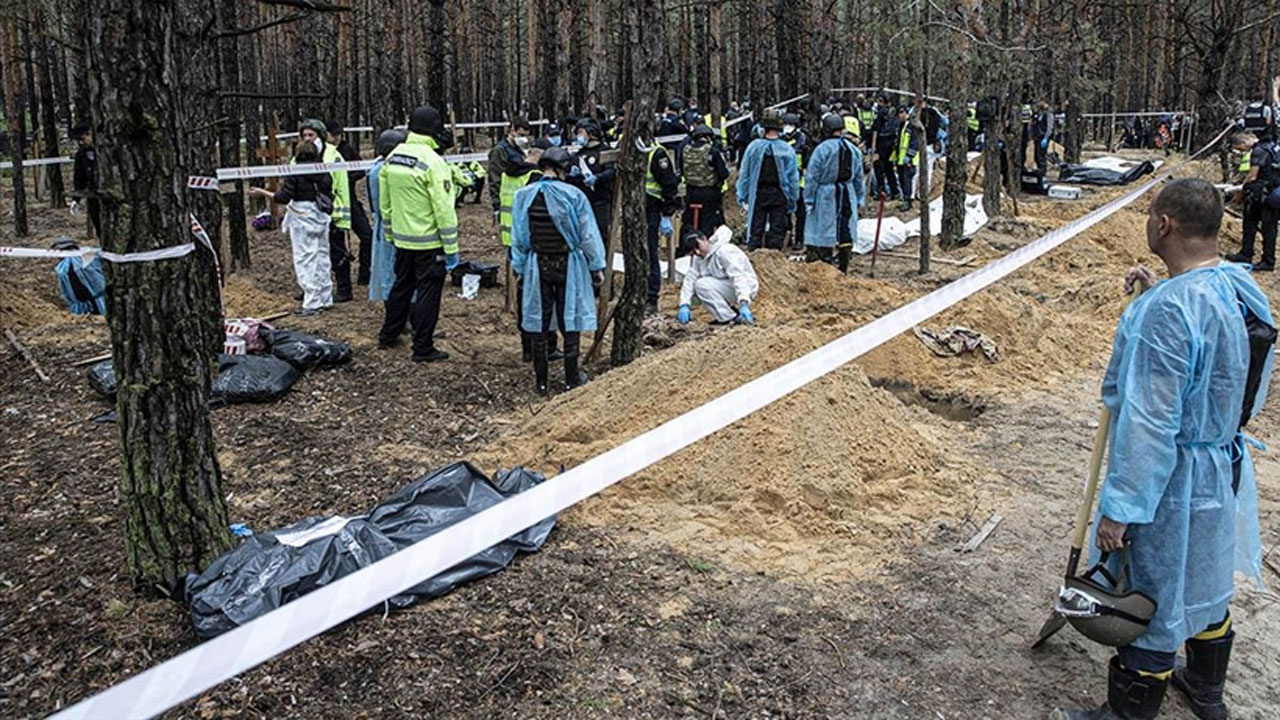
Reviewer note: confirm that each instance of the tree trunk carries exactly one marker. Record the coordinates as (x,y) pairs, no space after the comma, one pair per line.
(953,191)
(991,175)
(15,112)
(49,118)
(165,325)
(628,337)
(229,138)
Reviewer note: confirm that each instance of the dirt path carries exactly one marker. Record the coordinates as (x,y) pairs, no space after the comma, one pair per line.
(801,563)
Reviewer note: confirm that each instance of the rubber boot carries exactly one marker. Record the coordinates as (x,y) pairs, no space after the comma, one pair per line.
(526,346)
(572,374)
(540,363)
(1130,696)
(1205,676)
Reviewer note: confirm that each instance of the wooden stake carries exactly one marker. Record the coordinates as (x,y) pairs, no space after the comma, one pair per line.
(983,534)
(17,345)
(945,261)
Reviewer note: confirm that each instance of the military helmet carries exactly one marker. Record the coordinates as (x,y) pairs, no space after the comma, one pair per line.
(1110,614)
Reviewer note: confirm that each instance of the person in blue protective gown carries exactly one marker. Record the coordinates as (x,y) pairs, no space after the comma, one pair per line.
(382,261)
(768,186)
(557,252)
(832,193)
(1179,489)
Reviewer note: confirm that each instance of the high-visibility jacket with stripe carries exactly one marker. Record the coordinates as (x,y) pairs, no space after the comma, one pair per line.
(341,214)
(903,151)
(972,119)
(724,131)
(507,195)
(1025,114)
(853,125)
(866,117)
(651,185)
(415,189)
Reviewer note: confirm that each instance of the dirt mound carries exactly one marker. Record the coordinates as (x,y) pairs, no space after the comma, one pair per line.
(815,485)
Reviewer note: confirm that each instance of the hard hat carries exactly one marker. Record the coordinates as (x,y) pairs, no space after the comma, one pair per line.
(388,140)
(556,157)
(831,123)
(1110,614)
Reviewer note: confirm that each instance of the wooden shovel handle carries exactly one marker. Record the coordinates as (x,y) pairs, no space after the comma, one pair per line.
(1091,487)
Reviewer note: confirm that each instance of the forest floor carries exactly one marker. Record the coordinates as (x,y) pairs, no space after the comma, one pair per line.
(802,563)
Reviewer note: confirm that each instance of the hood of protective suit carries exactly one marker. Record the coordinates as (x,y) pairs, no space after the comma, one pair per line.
(719,239)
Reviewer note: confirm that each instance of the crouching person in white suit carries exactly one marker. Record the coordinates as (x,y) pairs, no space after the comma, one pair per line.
(720,275)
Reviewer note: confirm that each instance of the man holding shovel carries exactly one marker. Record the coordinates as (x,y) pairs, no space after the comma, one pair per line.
(1179,499)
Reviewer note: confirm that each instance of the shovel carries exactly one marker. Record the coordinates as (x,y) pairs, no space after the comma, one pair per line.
(1056,620)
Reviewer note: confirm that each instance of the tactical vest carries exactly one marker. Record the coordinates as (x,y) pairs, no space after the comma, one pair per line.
(697,168)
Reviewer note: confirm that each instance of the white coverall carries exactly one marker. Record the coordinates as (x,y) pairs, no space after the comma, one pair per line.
(722,280)
(308,230)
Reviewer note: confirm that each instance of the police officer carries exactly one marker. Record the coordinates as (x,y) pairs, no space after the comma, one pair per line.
(906,158)
(593,175)
(672,123)
(661,201)
(1262,179)
(416,206)
(886,130)
(359,219)
(314,130)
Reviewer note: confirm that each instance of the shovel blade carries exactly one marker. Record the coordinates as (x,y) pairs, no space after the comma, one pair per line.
(1049,629)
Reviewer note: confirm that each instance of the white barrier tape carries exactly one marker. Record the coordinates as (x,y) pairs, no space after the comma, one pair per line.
(264,171)
(38,161)
(204,666)
(145,256)
(200,182)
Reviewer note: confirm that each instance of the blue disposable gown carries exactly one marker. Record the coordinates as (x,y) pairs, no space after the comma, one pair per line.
(90,276)
(382,262)
(1175,387)
(821,189)
(749,173)
(571,212)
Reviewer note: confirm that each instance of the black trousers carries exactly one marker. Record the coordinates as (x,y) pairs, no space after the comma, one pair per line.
(553,271)
(420,271)
(1258,216)
(653,217)
(363,230)
(885,172)
(710,215)
(797,240)
(1042,158)
(526,338)
(95,217)
(340,259)
(769,220)
(906,180)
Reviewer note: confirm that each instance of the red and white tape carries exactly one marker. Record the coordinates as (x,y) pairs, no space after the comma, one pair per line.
(201,182)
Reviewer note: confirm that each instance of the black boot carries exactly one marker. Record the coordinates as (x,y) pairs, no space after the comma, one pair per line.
(1130,696)
(1205,676)
(526,347)
(572,373)
(1240,257)
(540,363)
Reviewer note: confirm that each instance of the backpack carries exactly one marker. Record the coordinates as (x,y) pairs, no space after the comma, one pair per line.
(1262,338)
(697,168)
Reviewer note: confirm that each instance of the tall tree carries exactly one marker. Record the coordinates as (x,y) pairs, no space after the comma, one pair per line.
(15,112)
(166,329)
(48,113)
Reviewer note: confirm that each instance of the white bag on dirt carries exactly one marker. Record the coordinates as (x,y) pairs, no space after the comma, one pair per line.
(892,234)
(975,216)
(470,287)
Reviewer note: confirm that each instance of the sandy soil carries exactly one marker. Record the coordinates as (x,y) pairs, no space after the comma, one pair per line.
(801,563)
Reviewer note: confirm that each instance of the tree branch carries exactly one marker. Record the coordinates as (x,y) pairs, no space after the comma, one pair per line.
(308,5)
(261,26)
(1256,23)
(275,96)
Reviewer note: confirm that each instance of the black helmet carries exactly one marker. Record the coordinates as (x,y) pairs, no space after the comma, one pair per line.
(556,157)
(791,119)
(771,119)
(388,140)
(702,131)
(591,127)
(675,104)
(831,123)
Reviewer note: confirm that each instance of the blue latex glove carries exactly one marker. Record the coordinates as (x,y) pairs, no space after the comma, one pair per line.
(589,180)
(744,314)
(665,229)
(575,171)
(684,314)
(1044,143)
(450,261)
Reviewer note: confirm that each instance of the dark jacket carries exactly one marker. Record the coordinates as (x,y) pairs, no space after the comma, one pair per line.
(505,158)
(305,188)
(349,154)
(665,175)
(605,174)
(85,175)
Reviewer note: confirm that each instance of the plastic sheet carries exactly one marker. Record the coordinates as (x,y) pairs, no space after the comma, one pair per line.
(1092,175)
(274,568)
(241,379)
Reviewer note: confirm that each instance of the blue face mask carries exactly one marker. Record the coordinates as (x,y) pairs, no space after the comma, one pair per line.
(581,140)
(554,140)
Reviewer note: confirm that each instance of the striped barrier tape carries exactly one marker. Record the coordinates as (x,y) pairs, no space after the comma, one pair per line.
(200,182)
(145,256)
(7,165)
(183,677)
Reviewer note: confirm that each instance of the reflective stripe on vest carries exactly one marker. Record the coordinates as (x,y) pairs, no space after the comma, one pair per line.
(904,147)
(506,196)
(972,119)
(651,185)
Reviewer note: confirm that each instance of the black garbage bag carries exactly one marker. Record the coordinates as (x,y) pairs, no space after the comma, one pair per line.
(241,379)
(102,377)
(271,569)
(488,273)
(252,379)
(303,350)
(1085,175)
